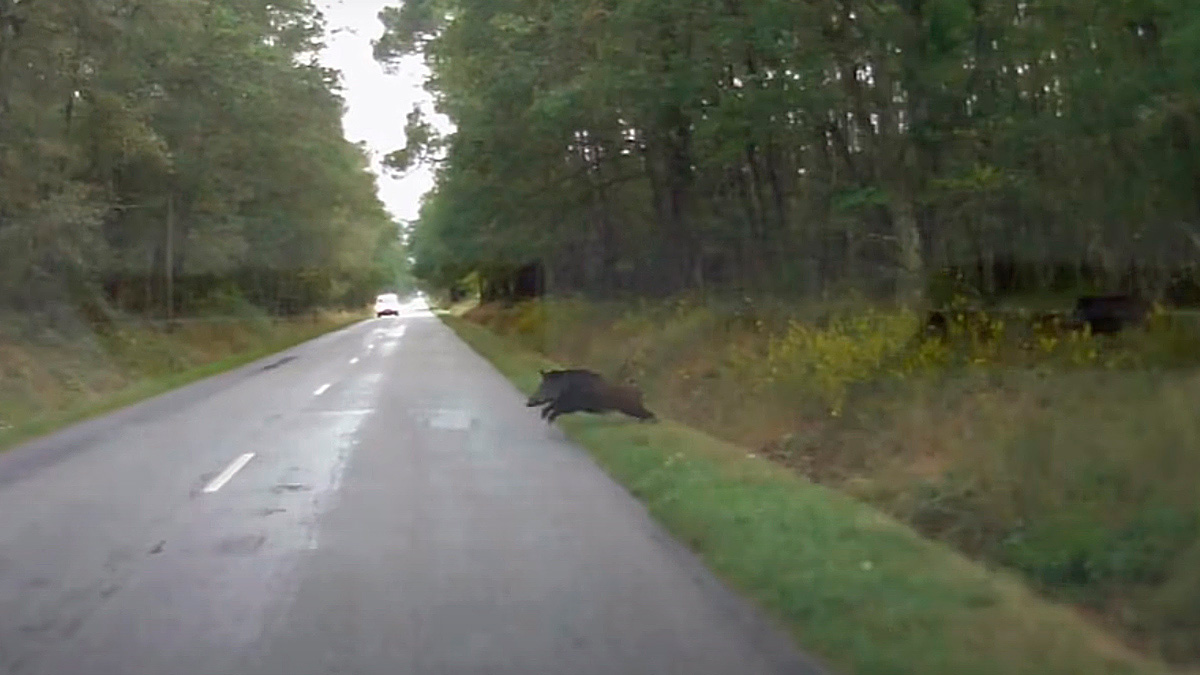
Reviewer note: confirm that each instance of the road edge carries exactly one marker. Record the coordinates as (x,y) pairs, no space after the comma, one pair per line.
(141,392)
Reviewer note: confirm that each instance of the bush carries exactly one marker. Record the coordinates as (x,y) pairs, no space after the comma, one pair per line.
(227,301)
(823,363)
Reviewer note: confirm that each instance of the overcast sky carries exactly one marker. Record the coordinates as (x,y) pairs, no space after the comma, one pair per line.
(376,101)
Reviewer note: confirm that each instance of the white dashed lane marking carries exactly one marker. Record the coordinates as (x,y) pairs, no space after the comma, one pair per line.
(223,478)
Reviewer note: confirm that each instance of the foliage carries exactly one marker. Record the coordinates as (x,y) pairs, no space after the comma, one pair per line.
(143,159)
(860,591)
(1070,458)
(58,377)
(809,146)
(823,362)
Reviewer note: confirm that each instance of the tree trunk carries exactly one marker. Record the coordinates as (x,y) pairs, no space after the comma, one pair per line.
(911,278)
(684,253)
(169,260)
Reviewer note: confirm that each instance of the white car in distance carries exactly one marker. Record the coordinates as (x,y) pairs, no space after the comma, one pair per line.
(387,304)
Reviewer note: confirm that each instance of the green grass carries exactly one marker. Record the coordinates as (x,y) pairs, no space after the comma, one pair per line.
(1065,458)
(856,587)
(160,378)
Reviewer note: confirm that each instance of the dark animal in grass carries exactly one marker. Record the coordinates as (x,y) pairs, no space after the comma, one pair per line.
(936,326)
(578,390)
(555,381)
(1108,314)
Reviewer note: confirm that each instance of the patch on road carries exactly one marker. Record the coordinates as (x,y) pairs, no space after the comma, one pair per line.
(244,545)
(358,412)
(450,420)
(290,487)
(275,364)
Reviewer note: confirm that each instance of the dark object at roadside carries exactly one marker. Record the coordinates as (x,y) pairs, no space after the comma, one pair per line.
(936,326)
(1103,314)
(555,382)
(578,390)
(510,284)
(1108,314)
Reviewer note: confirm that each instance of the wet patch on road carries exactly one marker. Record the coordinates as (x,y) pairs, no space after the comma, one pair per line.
(448,419)
(275,364)
(243,545)
(290,487)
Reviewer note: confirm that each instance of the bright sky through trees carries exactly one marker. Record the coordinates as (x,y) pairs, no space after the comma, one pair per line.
(376,100)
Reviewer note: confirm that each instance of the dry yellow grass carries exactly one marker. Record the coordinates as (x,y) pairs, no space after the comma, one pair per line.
(45,384)
(856,587)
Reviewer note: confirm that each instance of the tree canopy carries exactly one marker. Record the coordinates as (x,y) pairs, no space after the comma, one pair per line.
(809,145)
(163,152)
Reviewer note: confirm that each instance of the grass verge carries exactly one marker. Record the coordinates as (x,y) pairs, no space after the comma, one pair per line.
(192,356)
(857,588)
(1065,458)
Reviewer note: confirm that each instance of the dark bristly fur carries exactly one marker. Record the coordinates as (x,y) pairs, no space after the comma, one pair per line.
(579,390)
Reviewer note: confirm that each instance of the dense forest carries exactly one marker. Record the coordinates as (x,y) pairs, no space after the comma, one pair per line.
(809,146)
(175,156)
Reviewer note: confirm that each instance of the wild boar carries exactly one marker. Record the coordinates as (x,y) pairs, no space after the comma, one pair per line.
(1108,314)
(578,390)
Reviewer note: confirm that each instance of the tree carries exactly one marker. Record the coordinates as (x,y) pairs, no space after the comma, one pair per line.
(803,147)
(146,160)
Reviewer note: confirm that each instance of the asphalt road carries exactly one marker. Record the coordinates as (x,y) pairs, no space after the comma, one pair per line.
(378,500)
